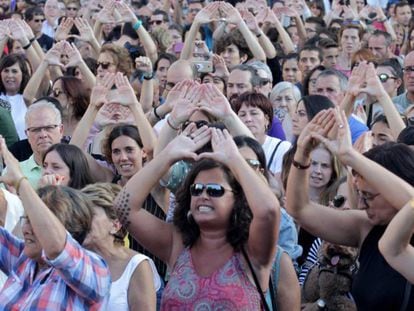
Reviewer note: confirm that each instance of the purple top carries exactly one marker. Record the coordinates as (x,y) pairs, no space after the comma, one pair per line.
(276,130)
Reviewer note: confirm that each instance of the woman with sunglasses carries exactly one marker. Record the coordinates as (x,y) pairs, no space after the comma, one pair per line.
(376,286)
(224,209)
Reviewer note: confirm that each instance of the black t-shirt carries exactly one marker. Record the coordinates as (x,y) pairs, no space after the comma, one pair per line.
(45,42)
(377,286)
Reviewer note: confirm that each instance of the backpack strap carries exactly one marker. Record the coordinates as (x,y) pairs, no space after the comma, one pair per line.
(273,154)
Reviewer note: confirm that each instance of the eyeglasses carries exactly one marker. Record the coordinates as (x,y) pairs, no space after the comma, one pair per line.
(104,65)
(56,92)
(47,128)
(155,22)
(410,121)
(198,123)
(408,69)
(254,164)
(24,220)
(71,8)
(366,196)
(39,20)
(213,190)
(338,200)
(384,77)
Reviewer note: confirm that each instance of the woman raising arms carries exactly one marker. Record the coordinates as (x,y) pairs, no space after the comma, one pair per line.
(223,208)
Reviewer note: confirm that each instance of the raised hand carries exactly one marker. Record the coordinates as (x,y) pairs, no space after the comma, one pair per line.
(186,104)
(73,54)
(224,147)
(4,29)
(62,32)
(208,14)
(106,15)
(185,145)
(341,144)
(320,126)
(52,57)
(220,68)
(51,179)
(250,21)
(18,33)
(26,28)
(13,173)
(124,93)
(214,102)
(143,63)
(125,11)
(85,30)
(357,79)
(231,14)
(101,89)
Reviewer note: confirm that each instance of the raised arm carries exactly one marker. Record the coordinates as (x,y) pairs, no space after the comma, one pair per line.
(144,37)
(395,242)
(76,60)
(340,227)
(154,234)
(147,90)
(272,21)
(233,16)
(86,34)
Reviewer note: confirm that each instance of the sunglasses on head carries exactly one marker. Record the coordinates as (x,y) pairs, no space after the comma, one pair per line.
(384,77)
(213,190)
(155,22)
(104,65)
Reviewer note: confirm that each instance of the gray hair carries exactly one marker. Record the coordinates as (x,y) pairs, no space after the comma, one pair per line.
(40,105)
(284,85)
(258,65)
(255,80)
(343,79)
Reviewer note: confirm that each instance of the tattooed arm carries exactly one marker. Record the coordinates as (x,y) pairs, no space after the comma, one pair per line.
(159,237)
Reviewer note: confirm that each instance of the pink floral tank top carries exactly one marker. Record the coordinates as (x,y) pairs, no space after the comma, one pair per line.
(228,288)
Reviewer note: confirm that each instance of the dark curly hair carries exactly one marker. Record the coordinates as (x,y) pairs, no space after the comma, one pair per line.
(236,38)
(240,218)
(10,60)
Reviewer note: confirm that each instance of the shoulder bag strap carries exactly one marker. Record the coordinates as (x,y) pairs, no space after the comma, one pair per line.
(273,154)
(256,281)
(407,294)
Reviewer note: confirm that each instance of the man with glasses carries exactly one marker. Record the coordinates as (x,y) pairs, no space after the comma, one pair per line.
(159,19)
(407,98)
(51,12)
(43,129)
(34,17)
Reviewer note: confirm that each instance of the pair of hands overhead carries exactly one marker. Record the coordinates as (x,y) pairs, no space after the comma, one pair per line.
(63,48)
(364,79)
(185,145)
(16,29)
(188,96)
(218,11)
(85,30)
(329,127)
(116,12)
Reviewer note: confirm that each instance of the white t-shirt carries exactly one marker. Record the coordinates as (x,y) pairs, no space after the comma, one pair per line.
(269,147)
(118,298)
(18,112)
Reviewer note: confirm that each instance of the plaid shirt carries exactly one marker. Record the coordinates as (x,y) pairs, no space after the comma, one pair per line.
(76,280)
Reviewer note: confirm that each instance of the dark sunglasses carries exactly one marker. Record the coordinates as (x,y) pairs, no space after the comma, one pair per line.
(198,123)
(155,22)
(410,121)
(72,9)
(39,20)
(338,200)
(213,190)
(103,65)
(384,77)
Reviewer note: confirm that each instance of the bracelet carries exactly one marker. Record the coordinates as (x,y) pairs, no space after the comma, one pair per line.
(299,165)
(137,25)
(18,183)
(170,124)
(149,76)
(156,114)
(27,46)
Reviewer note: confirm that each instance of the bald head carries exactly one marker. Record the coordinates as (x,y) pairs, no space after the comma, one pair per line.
(179,71)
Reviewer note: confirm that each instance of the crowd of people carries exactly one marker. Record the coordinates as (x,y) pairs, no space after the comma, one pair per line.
(206,155)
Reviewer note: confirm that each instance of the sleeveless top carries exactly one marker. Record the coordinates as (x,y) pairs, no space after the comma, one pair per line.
(228,288)
(377,286)
(118,299)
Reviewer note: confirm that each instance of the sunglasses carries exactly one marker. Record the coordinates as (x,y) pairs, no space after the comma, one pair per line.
(104,65)
(384,77)
(198,123)
(40,20)
(72,9)
(155,22)
(338,200)
(213,190)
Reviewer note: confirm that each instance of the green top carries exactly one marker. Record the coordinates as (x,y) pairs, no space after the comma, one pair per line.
(7,128)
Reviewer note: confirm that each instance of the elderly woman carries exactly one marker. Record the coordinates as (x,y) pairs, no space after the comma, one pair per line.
(50,271)
(134,276)
(284,98)
(224,209)
(376,285)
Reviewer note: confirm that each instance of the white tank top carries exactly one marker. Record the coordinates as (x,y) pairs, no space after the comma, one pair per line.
(118,299)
